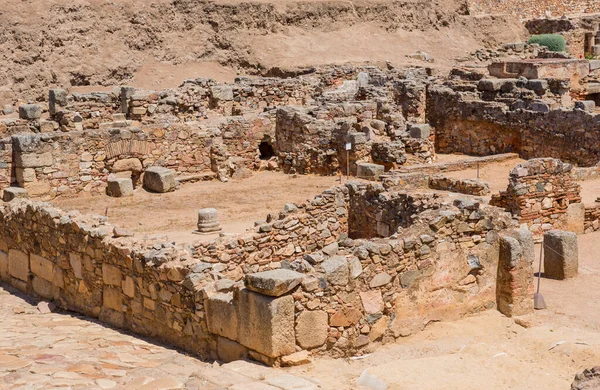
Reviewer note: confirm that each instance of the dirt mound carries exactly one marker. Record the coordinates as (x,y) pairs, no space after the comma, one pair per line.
(158,43)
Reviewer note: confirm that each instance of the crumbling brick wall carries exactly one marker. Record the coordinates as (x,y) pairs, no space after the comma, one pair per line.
(542,194)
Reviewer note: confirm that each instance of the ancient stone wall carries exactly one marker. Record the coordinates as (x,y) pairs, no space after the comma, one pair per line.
(542,194)
(73,162)
(343,294)
(465,124)
(527,9)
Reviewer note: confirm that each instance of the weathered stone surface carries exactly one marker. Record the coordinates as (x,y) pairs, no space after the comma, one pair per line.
(372,301)
(295,359)
(336,270)
(42,267)
(33,160)
(311,329)
(381,279)
(369,171)
(378,329)
(127,164)
(419,130)
(514,286)
(111,275)
(159,179)
(575,218)
(11,193)
(273,283)
(222,315)
(268,325)
(112,299)
(119,187)
(18,265)
(4,266)
(229,350)
(30,111)
(561,254)
(356,268)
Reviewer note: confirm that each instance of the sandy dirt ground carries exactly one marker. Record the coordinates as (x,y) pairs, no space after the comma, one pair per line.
(239,202)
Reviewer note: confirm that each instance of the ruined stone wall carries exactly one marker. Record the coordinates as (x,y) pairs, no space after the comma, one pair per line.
(542,194)
(73,162)
(465,124)
(528,9)
(347,294)
(74,261)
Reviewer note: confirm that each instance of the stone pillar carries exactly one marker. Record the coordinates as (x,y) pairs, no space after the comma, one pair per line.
(208,221)
(514,285)
(561,255)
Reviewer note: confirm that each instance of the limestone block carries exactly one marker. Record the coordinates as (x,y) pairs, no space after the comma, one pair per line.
(75,261)
(129,287)
(30,111)
(538,86)
(42,267)
(11,193)
(229,350)
(42,287)
(585,105)
(273,283)
(268,325)
(127,164)
(369,171)
(111,275)
(372,301)
(159,179)
(311,329)
(33,160)
(221,93)
(25,175)
(222,315)
(575,218)
(336,270)
(561,255)
(18,265)
(119,187)
(112,298)
(3,265)
(419,130)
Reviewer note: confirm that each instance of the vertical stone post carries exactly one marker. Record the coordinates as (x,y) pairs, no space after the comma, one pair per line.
(514,285)
(561,254)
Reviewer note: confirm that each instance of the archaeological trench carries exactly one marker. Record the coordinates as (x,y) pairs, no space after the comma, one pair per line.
(400,245)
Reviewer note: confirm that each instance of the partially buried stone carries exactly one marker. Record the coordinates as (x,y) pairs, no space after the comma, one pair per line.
(208,221)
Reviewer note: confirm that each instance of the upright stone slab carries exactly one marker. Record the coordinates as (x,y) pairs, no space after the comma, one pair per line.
(119,187)
(208,221)
(159,179)
(561,254)
(18,265)
(222,315)
(514,284)
(11,193)
(268,323)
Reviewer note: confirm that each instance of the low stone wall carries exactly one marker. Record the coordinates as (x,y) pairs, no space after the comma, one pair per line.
(592,218)
(68,163)
(461,165)
(464,186)
(542,194)
(347,294)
